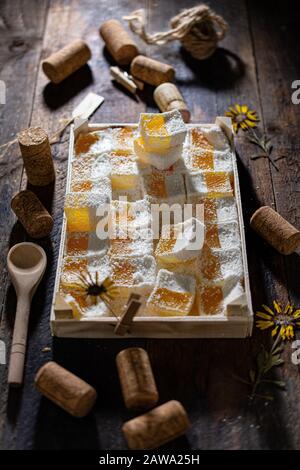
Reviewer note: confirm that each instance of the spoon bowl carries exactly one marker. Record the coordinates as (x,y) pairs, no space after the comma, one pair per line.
(26,263)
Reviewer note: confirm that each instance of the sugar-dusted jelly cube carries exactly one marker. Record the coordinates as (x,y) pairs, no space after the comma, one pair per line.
(96,185)
(85,244)
(223,235)
(76,269)
(124,173)
(123,137)
(93,143)
(126,215)
(161,187)
(95,166)
(131,194)
(211,184)
(180,242)
(220,210)
(199,160)
(161,160)
(188,267)
(172,295)
(213,299)
(161,131)
(132,243)
(220,266)
(85,308)
(209,138)
(133,274)
(81,210)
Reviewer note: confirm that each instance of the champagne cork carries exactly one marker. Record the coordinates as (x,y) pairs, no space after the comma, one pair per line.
(118,42)
(277,231)
(151,71)
(168,97)
(157,427)
(36,152)
(66,61)
(65,389)
(136,378)
(36,220)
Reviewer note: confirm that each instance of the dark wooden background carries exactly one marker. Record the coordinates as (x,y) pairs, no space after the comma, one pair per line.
(256,65)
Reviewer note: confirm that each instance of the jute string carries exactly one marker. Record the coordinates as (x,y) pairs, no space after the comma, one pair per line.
(199,29)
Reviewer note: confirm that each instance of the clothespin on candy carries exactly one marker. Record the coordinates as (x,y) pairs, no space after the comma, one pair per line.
(132,309)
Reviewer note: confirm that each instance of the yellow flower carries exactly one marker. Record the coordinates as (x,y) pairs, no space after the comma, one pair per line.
(281,320)
(242,117)
(89,287)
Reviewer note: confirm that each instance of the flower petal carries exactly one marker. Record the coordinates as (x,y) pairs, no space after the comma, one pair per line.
(282,332)
(235,127)
(296,314)
(277,306)
(274,331)
(244,108)
(267,309)
(252,115)
(233,110)
(263,324)
(250,123)
(238,108)
(263,315)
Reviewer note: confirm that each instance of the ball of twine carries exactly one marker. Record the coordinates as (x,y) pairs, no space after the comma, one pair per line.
(199,29)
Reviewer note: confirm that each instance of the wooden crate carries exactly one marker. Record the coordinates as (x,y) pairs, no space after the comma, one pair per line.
(236,325)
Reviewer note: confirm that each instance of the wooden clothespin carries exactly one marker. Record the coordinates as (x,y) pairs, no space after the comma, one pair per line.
(125,321)
(126,80)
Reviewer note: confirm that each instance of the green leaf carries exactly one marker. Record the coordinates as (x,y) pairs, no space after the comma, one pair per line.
(252,375)
(255,157)
(279,383)
(277,350)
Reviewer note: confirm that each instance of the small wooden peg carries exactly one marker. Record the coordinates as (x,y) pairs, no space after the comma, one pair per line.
(123,78)
(125,321)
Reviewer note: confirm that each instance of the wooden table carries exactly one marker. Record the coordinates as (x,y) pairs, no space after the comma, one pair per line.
(256,65)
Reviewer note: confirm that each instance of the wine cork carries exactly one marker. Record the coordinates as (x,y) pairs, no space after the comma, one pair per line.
(168,97)
(136,378)
(63,63)
(277,231)
(36,152)
(36,220)
(157,427)
(65,389)
(118,42)
(151,71)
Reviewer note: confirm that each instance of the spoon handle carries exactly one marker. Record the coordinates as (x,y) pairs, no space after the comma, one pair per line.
(18,347)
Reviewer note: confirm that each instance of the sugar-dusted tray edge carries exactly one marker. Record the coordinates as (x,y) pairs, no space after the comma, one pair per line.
(158,327)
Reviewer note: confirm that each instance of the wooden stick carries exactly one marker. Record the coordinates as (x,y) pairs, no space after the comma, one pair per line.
(127,317)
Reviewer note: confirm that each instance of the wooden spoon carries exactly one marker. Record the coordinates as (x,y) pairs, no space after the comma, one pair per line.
(26,264)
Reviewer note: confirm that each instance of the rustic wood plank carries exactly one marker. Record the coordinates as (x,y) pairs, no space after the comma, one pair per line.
(21,29)
(281,122)
(31,425)
(206,368)
(197,372)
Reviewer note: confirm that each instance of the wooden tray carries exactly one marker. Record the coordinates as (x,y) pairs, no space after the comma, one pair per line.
(237,325)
